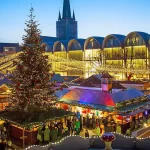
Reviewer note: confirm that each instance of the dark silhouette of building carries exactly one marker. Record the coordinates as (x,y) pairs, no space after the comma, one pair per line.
(66,26)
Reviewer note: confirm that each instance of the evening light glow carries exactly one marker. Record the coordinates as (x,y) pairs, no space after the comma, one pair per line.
(95,17)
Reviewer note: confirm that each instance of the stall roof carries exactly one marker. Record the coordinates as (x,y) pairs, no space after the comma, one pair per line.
(89,96)
(126,95)
(133,112)
(5,80)
(94,106)
(98,97)
(147,107)
(95,81)
(60,94)
(70,78)
(134,106)
(57,78)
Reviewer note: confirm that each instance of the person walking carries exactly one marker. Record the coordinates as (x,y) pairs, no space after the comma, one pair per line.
(87,134)
(40,135)
(77,127)
(46,135)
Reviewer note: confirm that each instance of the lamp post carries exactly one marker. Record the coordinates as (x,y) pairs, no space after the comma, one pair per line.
(108,138)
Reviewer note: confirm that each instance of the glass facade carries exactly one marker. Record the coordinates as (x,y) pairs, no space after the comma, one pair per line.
(129,54)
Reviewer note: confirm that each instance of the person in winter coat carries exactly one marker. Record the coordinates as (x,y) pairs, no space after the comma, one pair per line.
(118,129)
(60,131)
(128,132)
(46,135)
(40,135)
(53,134)
(87,134)
(97,130)
(72,127)
(77,127)
(132,125)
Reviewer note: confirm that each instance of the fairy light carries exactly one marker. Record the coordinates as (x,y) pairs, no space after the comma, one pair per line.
(71,64)
(95,137)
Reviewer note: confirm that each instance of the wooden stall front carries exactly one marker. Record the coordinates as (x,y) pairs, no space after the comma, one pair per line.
(30,136)
(125,119)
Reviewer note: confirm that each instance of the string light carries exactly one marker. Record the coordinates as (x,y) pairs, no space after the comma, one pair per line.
(95,137)
(71,64)
(36,123)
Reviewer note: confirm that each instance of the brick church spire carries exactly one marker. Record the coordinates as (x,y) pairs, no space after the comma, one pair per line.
(66,10)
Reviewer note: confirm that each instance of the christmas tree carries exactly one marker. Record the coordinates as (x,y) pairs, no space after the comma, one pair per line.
(31,77)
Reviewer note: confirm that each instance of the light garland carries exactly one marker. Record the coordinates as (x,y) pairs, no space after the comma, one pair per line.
(71,64)
(35,123)
(84,106)
(95,137)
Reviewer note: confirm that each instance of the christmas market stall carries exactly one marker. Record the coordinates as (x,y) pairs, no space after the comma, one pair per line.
(130,107)
(24,126)
(87,101)
(124,105)
(4,95)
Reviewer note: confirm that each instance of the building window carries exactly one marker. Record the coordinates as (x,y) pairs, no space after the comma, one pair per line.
(8,49)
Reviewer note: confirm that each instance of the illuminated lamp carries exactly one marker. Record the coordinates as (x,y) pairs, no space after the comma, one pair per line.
(88,111)
(119,117)
(65,106)
(146,112)
(84,111)
(108,138)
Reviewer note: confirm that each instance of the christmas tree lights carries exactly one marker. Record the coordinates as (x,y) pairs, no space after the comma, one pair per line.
(31,88)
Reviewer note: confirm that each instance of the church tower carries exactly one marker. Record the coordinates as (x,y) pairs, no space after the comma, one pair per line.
(66,26)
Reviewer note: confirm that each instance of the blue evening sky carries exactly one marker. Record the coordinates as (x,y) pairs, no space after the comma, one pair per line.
(95,17)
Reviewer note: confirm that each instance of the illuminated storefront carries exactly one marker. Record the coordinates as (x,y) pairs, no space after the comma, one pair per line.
(113,52)
(60,51)
(76,52)
(93,53)
(136,51)
(117,54)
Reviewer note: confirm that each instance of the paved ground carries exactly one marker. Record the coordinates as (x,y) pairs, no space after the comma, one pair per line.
(19,147)
(145,135)
(91,132)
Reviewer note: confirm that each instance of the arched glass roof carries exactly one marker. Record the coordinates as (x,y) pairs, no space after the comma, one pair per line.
(113,40)
(76,44)
(60,46)
(93,43)
(137,38)
(49,46)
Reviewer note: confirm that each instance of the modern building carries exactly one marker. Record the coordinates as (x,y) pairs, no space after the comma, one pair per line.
(66,26)
(9,48)
(120,55)
(128,52)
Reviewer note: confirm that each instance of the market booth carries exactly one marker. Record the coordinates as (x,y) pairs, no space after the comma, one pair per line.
(122,105)
(27,130)
(4,95)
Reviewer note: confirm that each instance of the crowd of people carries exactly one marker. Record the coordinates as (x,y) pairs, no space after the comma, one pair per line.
(101,125)
(109,124)
(54,131)
(137,123)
